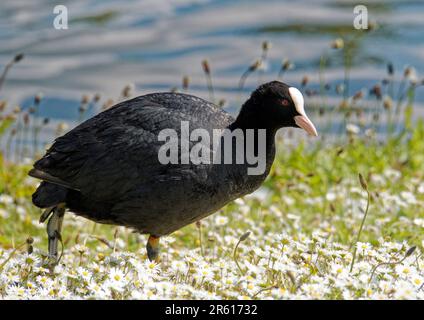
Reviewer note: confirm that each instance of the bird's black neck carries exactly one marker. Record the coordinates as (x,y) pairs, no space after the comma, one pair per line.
(250,119)
(269,136)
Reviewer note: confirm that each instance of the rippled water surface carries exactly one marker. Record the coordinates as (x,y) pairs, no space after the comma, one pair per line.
(153,43)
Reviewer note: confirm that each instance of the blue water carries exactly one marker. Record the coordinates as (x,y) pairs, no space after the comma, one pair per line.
(152,44)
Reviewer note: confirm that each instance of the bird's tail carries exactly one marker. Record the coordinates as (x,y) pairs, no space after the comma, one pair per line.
(49,195)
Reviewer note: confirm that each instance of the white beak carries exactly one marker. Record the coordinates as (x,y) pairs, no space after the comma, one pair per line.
(306,124)
(302,119)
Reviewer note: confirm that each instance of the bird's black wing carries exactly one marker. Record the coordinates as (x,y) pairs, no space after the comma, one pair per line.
(110,153)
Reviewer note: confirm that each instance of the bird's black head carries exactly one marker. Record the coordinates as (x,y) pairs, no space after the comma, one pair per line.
(274,105)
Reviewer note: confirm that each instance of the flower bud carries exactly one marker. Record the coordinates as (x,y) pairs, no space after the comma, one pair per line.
(245,236)
(18,57)
(363,182)
(206,67)
(337,43)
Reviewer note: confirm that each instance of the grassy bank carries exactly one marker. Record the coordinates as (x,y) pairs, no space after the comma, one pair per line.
(294,238)
(314,230)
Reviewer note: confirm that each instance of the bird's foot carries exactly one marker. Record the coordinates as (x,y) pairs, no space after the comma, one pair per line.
(54,226)
(152,248)
(46,214)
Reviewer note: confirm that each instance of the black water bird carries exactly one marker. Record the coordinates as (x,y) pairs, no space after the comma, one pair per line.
(108,170)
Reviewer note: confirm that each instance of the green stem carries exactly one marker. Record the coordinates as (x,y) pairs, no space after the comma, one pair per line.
(360,231)
(4,74)
(235,257)
(200,240)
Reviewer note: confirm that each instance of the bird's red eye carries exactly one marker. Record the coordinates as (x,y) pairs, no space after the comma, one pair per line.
(285,102)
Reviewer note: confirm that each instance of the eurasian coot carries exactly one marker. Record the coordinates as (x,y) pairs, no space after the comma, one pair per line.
(109,168)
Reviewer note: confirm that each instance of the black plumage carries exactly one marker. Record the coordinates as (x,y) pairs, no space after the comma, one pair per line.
(107,168)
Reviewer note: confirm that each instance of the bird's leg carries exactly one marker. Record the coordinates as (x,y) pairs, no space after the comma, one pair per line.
(152,248)
(54,226)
